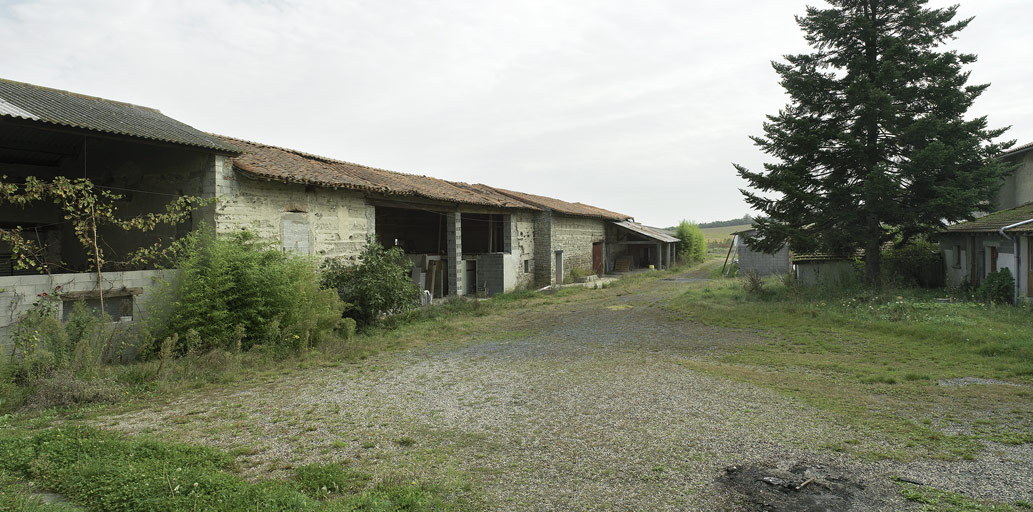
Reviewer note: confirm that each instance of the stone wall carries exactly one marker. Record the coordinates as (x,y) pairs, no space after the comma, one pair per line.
(319,221)
(523,249)
(491,273)
(575,236)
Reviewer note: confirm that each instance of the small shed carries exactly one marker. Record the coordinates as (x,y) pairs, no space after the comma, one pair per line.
(822,268)
(759,262)
(639,246)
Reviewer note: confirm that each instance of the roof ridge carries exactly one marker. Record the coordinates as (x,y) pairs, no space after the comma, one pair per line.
(1016,150)
(320,158)
(81,95)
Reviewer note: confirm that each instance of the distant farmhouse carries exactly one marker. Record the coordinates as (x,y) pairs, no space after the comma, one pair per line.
(461,238)
(1003,239)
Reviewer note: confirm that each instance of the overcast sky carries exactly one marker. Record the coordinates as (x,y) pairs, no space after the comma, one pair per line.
(635,106)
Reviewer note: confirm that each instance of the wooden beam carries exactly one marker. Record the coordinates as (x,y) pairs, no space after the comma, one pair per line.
(95,294)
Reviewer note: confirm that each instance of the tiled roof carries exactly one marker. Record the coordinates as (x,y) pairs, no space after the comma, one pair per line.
(1018,149)
(823,256)
(997,220)
(281,164)
(52,106)
(561,206)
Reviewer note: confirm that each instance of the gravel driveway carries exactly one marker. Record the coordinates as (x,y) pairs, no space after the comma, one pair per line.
(586,405)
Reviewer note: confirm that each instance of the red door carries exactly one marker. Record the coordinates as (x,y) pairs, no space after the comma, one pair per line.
(597,258)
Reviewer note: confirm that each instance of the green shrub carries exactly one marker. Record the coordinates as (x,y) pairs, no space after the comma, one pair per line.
(997,288)
(234,292)
(378,285)
(917,263)
(752,283)
(692,244)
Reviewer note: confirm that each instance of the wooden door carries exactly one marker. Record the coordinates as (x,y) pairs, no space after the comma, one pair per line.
(597,258)
(993,259)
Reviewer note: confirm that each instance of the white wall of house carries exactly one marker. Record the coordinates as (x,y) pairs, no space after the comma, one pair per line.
(1017,189)
(520,275)
(956,260)
(956,248)
(318,221)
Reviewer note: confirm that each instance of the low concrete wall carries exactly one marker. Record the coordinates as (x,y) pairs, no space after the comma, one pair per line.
(20,292)
(823,272)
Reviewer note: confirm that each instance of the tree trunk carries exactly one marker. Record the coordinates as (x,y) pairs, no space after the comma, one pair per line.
(96,257)
(873,178)
(872,253)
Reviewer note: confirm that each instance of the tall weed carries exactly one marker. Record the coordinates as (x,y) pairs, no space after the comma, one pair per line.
(234,292)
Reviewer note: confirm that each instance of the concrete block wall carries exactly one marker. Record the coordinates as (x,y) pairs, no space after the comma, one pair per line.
(339,220)
(20,292)
(491,272)
(824,273)
(456,270)
(762,263)
(543,275)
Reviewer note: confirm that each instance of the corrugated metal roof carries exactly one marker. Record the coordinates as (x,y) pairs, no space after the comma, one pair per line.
(561,206)
(997,220)
(646,231)
(281,164)
(63,108)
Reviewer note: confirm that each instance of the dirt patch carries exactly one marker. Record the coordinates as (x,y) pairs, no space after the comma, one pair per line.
(968,381)
(800,488)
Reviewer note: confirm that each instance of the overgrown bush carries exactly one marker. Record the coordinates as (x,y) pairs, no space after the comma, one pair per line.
(692,243)
(378,285)
(917,263)
(55,364)
(235,292)
(997,288)
(752,283)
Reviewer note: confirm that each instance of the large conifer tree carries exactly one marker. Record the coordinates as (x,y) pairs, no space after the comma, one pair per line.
(874,145)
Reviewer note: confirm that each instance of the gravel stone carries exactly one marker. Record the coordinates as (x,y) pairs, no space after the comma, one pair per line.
(574,406)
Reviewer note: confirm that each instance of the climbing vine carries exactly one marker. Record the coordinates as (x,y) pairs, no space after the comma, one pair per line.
(86,207)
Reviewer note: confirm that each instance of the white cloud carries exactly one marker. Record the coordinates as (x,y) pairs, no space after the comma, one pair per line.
(638,107)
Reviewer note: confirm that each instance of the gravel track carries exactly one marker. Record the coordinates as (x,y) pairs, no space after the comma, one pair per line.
(586,405)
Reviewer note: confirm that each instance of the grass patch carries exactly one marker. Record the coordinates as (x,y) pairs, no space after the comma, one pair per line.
(17,496)
(866,357)
(105,471)
(933,499)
